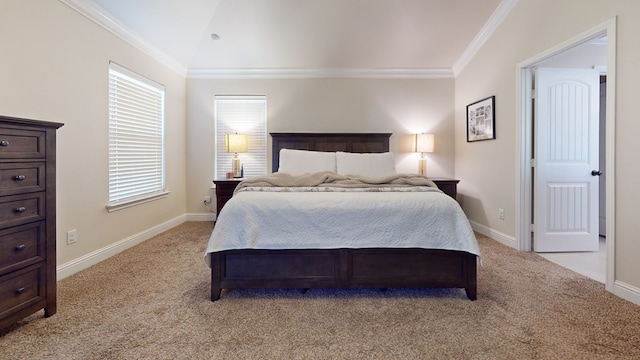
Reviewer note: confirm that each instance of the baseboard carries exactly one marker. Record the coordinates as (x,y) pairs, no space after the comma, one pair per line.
(83,262)
(201,217)
(627,292)
(495,235)
(620,289)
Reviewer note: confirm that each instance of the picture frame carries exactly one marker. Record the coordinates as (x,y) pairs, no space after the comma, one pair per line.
(481,120)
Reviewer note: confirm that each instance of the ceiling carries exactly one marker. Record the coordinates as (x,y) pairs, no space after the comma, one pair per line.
(303,34)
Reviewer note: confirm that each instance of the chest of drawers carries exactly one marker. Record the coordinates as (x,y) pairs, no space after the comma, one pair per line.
(27,218)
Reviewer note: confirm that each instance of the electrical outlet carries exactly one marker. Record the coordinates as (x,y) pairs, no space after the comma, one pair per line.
(207,199)
(72,237)
(501,214)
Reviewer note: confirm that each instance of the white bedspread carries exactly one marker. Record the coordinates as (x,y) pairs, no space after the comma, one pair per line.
(266,218)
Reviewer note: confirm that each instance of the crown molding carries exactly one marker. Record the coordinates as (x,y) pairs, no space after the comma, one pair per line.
(99,16)
(485,33)
(298,73)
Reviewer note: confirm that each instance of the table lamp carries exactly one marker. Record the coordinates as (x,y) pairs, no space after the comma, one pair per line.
(236,143)
(424,144)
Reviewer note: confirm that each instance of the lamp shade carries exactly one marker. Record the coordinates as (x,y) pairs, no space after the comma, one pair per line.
(237,143)
(424,143)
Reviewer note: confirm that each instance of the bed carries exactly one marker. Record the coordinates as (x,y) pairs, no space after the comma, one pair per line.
(330,264)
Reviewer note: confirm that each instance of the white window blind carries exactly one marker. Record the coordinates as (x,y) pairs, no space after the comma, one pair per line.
(242,115)
(136,137)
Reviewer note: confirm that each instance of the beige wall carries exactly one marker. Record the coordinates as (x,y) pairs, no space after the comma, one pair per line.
(402,107)
(531,28)
(54,66)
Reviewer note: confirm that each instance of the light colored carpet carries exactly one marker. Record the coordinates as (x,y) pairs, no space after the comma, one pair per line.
(152,302)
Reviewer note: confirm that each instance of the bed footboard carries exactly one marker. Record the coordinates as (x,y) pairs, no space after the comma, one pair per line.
(343,268)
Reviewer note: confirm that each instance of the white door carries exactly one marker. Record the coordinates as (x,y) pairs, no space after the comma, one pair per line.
(566,157)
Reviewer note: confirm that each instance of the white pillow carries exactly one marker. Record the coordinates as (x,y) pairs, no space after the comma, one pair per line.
(368,165)
(297,162)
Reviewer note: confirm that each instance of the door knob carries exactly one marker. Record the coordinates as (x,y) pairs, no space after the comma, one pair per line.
(596,172)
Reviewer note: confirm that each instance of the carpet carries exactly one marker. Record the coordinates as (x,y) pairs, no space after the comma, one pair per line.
(152,302)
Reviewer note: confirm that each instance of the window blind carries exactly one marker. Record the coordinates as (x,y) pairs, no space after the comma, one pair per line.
(242,115)
(136,136)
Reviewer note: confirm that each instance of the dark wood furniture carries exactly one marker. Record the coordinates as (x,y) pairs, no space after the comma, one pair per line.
(340,268)
(447,185)
(27,218)
(347,142)
(224,191)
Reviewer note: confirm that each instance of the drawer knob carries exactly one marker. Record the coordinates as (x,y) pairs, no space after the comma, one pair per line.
(19,291)
(21,247)
(19,177)
(4,143)
(21,209)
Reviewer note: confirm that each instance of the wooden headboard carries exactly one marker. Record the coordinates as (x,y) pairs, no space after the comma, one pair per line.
(348,142)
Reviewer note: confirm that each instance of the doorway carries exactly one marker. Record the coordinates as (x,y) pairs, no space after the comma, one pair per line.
(566,52)
(565,167)
(589,259)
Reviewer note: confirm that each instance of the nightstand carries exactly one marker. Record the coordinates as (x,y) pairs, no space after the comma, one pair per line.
(447,185)
(224,191)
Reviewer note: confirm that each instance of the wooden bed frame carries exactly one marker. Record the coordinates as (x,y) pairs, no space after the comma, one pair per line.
(340,268)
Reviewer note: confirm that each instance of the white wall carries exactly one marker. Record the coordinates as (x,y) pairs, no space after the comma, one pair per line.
(402,107)
(583,56)
(488,169)
(54,66)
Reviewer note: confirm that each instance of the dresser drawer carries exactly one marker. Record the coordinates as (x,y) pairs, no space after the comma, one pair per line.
(21,246)
(18,178)
(22,288)
(16,144)
(21,209)
(27,218)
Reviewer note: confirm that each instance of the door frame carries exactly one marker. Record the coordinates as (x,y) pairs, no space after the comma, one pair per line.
(524,140)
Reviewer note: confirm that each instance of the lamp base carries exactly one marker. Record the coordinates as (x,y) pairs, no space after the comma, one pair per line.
(422,166)
(235,166)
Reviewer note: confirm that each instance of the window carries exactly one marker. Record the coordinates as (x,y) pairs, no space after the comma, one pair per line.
(136,138)
(242,115)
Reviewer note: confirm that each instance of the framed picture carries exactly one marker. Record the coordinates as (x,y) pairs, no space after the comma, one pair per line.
(481,120)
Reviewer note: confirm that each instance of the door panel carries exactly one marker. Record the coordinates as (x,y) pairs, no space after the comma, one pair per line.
(566,152)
